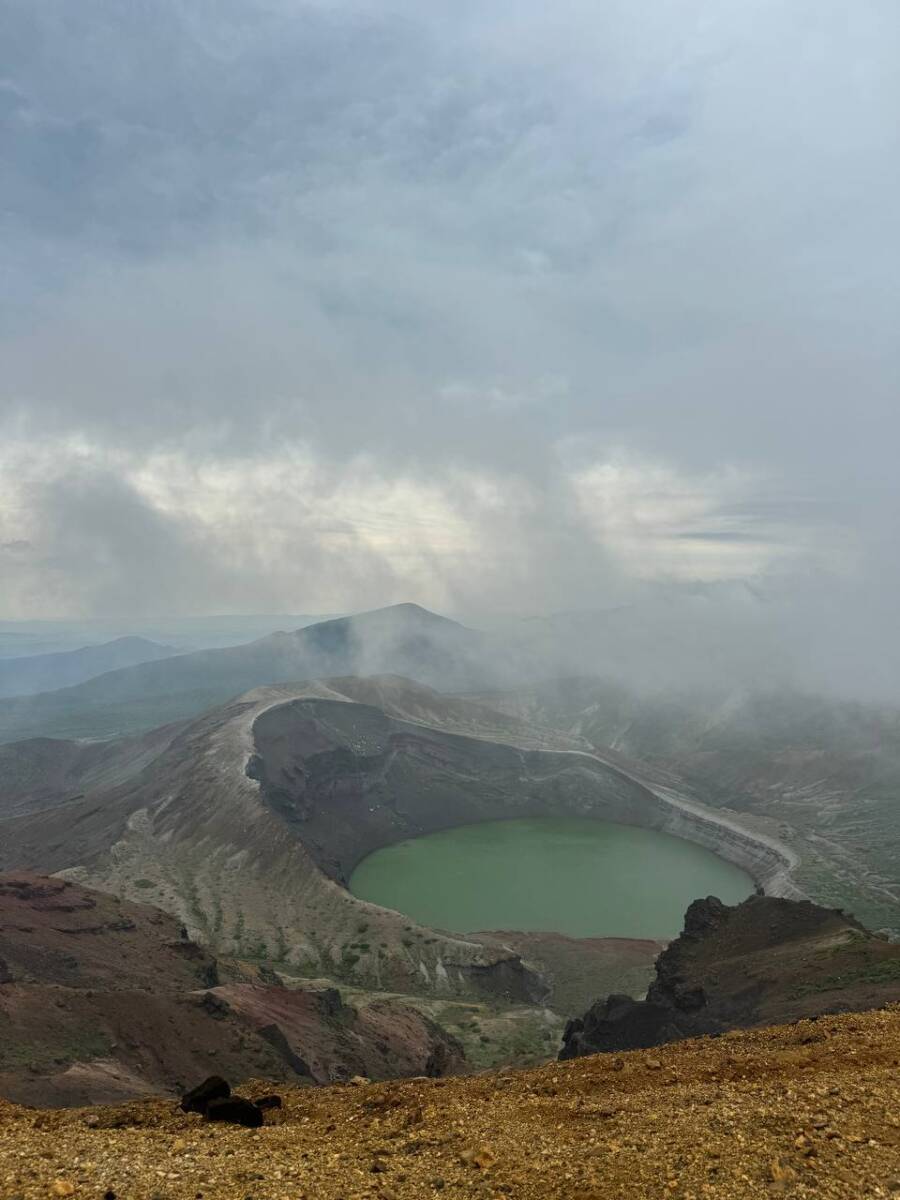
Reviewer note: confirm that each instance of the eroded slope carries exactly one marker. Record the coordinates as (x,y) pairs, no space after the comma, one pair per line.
(103,999)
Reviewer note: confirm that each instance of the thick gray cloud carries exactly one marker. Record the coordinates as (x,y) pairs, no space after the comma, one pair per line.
(314,306)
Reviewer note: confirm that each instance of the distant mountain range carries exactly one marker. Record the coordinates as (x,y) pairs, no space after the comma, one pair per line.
(21,639)
(47,672)
(401,640)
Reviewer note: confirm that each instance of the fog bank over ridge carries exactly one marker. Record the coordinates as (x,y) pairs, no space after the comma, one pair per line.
(508,312)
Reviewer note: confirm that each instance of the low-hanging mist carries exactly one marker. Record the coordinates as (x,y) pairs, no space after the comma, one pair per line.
(502,311)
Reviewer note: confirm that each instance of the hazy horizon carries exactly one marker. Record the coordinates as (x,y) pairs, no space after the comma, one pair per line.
(504,310)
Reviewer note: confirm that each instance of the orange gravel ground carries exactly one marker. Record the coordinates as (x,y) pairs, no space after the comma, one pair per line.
(811,1109)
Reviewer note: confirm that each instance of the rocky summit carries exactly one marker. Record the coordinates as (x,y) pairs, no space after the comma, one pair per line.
(764,961)
(802,1110)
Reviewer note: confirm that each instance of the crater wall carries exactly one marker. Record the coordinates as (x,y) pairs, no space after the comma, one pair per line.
(349,779)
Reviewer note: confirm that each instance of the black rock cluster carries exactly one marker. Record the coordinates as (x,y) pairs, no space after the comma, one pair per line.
(213,1098)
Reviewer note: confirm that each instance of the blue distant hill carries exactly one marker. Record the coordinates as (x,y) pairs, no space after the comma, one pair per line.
(47,672)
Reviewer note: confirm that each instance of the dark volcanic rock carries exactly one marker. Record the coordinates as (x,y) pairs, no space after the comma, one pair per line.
(704,916)
(236,1110)
(765,961)
(440,1061)
(199,1098)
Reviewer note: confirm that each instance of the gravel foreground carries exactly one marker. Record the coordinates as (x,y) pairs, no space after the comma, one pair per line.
(811,1109)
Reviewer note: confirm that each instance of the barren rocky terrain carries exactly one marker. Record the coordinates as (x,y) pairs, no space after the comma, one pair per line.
(804,1110)
(101,999)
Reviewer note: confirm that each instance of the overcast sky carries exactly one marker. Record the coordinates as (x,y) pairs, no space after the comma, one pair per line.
(497,306)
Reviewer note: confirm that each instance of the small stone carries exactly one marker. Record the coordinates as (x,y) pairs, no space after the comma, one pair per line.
(480,1157)
(653,1064)
(63,1187)
(780,1172)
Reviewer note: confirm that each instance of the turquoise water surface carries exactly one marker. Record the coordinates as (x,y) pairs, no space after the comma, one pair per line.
(577,876)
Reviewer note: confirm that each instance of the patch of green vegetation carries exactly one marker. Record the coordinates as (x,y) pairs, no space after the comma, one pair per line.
(887,971)
(454,1014)
(519,1038)
(281,945)
(239,929)
(68,1047)
(189,890)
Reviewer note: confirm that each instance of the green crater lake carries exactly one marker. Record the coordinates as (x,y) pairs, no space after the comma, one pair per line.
(576,876)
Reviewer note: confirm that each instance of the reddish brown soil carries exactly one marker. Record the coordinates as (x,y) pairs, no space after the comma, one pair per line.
(102,1000)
